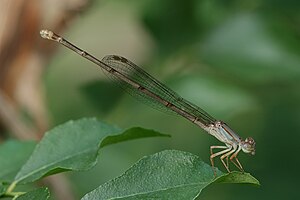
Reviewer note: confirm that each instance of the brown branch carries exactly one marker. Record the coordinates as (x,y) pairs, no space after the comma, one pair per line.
(12,121)
(22,60)
(61,185)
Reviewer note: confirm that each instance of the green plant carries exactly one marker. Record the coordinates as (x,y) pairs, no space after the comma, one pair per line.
(74,146)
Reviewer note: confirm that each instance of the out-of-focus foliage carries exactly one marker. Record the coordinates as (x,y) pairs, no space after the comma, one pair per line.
(238,60)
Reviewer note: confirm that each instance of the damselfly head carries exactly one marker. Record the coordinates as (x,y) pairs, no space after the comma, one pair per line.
(248,146)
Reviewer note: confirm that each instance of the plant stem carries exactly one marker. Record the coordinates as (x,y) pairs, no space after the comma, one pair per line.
(11,187)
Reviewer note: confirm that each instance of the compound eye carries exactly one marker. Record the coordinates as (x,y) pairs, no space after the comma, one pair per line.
(249,140)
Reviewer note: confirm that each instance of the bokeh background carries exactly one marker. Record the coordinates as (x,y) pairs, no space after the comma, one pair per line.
(238,60)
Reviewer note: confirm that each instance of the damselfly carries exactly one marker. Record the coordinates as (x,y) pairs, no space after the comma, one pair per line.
(141,84)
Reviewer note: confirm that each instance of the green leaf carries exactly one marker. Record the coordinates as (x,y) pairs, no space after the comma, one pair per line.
(37,194)
(168,174)
(74,146)
(132,133)
(13,154)
(237,177)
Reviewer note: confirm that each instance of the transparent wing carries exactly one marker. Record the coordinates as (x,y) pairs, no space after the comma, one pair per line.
(139,76)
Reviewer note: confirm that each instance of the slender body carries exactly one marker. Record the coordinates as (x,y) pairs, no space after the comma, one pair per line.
(142,85)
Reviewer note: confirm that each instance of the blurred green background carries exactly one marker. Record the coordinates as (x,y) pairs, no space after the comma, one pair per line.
(238,60)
